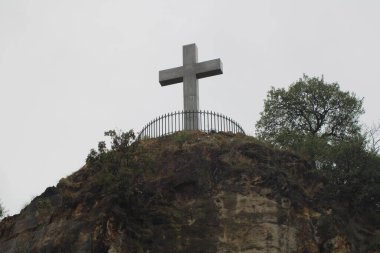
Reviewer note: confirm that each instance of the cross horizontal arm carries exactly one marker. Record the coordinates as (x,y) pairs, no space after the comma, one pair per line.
(171,76)
(208,68)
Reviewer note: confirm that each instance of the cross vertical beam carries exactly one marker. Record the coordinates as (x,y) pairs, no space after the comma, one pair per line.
(190,81)
(190,88)
(189,74)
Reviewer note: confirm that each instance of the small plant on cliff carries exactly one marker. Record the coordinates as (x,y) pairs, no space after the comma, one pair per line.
(2,211)
(116,176)
(120,143)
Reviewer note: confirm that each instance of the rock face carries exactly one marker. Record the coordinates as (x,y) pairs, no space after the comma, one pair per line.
(189,192)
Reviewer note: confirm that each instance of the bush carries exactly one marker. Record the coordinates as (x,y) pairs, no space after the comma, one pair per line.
(120,143)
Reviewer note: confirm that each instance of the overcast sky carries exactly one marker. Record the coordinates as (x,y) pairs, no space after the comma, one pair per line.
(69,70)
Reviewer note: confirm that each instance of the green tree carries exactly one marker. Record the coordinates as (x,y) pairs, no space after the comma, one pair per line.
(309,108)
(321,122)
(353,173)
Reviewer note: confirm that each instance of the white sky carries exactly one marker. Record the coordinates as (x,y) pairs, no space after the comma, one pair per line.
(70,70)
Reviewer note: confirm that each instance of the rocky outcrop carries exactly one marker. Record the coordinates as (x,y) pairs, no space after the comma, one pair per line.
(190,192)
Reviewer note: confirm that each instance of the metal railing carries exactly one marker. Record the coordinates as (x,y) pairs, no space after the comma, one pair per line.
(204,121)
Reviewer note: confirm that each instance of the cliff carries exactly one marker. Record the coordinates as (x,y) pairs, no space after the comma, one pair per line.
(188,192)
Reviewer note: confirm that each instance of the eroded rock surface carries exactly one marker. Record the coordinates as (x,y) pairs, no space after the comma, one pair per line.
(182,193)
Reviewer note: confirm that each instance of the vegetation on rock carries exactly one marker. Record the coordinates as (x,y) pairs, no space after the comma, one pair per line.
(309,108)
(2,211)
(187,192)
(319,121)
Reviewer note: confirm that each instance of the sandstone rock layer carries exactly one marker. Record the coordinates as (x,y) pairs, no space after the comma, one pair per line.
(189,192)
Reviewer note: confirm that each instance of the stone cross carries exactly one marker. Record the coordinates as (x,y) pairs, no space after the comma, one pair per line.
(189,73)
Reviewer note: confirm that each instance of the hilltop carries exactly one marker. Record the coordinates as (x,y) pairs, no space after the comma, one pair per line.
(188,192)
